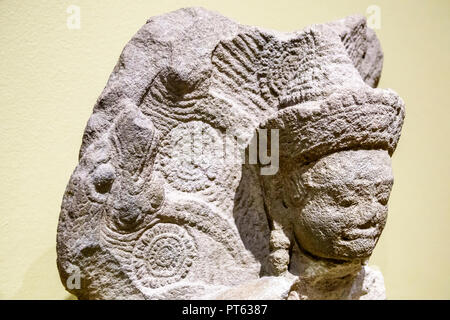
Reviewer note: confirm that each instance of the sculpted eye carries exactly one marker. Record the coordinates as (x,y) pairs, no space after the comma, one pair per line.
(347,202)
(103,178)
(383,198)
(383,194)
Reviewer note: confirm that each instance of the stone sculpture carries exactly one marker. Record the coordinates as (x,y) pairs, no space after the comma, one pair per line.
(140,219)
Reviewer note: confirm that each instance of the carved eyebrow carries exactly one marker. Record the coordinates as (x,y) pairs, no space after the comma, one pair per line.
(384,181)
(348,184)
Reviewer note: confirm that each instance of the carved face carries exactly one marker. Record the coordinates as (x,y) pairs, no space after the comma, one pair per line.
(344,205)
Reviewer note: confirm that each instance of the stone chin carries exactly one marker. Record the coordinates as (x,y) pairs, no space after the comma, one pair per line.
(344,207)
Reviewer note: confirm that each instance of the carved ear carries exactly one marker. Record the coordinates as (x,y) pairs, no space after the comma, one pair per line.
(135,140)
(362,46)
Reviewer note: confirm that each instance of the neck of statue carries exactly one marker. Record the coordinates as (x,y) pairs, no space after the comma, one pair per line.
(319,278)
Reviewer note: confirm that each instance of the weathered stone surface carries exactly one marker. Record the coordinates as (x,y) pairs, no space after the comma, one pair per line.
(161,206)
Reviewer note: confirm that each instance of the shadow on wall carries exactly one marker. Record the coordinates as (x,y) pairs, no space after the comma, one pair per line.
(41,283)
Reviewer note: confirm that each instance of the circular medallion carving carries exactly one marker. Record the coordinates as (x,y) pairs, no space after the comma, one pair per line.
(192,157)
(163,255)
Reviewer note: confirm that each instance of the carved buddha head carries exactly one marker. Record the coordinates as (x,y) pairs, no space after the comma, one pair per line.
(330,195)
(343,205)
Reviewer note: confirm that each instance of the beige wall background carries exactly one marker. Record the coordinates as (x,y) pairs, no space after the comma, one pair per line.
(50,78)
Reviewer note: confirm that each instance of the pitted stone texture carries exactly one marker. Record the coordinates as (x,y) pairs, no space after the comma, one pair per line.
(161,206)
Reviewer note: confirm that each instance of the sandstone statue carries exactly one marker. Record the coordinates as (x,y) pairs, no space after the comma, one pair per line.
(168,200)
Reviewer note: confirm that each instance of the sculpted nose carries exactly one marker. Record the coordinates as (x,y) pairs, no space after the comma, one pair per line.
(368,216)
